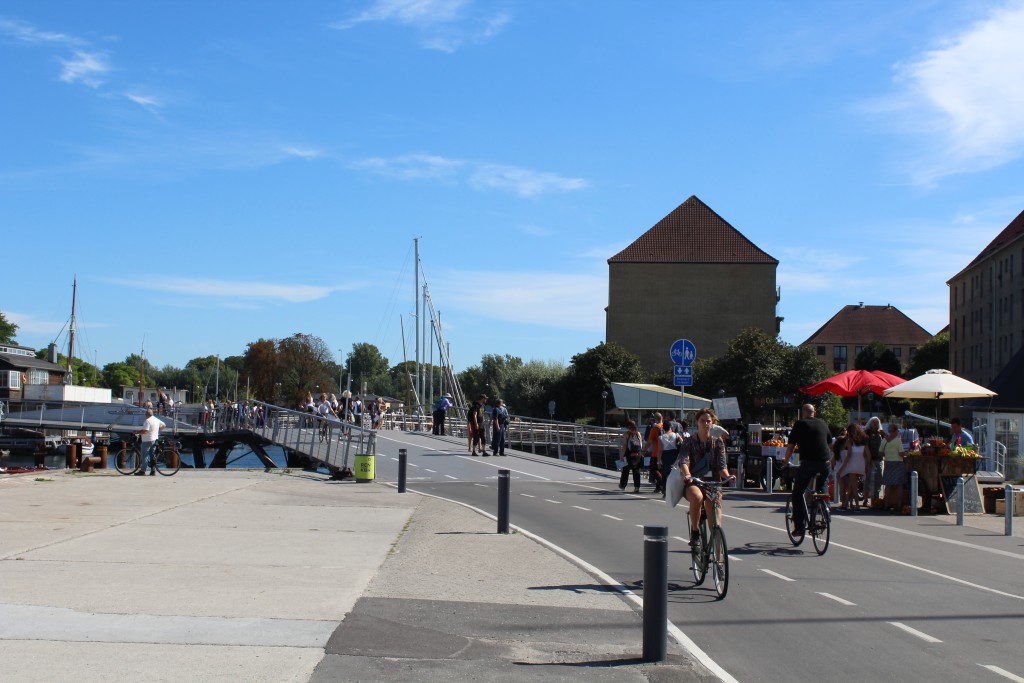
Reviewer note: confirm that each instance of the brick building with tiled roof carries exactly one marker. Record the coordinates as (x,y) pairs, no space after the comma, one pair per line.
(838,342)
(690,276)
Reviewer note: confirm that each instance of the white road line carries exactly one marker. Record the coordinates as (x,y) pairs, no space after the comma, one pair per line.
(954,579)
(914,632)
(777,575)
(556,502)
(617,519)
(430,470)
(412,464)
(684,640)
(481,485)
(1002,672)
(581,508)
(527,495)
(451,477)
(838,599)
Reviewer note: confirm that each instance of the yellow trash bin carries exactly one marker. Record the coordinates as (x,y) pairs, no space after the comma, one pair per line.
(364,467)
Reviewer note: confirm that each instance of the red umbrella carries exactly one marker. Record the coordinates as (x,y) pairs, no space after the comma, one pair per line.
(854,383)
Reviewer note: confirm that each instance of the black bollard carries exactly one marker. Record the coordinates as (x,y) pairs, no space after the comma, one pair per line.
(655,593)
(503,489)
(402,456)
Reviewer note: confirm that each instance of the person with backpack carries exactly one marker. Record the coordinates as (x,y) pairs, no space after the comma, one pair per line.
(631,451)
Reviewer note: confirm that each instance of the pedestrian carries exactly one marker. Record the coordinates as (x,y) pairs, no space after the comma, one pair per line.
(631,450)
(475,419)
(895,474)
(150,437)
(671,442)
(499,423)
(440,413)
(653,450)
(853,467)
(873,484)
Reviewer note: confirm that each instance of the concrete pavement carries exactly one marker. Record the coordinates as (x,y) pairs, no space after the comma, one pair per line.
(237,575)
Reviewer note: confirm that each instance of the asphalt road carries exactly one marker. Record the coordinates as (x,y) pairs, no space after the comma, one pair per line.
(916,598)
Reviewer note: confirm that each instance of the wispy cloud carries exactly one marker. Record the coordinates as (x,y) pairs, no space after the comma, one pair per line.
(23,32)
(967,96)
(233,292)
(28,324)
(564,301)
(444,25)
(480,176)
(85,67)
(302,152)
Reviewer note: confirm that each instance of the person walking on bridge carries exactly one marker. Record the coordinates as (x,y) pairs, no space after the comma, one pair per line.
(440,412)
(499,423)
(475,419)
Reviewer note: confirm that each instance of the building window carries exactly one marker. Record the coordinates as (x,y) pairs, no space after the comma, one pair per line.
(857,350)
(839,358)
(10,379)
(38,377)
(821,350)
(898,352)
(913,352)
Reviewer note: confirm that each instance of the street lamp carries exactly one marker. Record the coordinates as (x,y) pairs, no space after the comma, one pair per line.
(604,408)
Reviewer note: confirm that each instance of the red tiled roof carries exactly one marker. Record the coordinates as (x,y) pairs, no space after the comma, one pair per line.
(692,233)
(1011,233)
(860,323)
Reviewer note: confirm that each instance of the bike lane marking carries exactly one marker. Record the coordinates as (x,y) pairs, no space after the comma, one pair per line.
(1002,672)
(908,565)
(838,599)
(914,632)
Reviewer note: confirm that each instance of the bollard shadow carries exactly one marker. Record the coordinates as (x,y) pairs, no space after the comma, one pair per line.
(681,592)
(579,588)
(590,664)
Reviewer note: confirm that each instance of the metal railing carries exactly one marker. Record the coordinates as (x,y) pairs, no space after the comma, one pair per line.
(329,441)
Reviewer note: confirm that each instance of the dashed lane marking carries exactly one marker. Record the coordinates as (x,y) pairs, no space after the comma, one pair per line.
(617,519)
(581,508)
(430,470)
(481,485)
(451,477)
(1002,672)
(914,632)
(777,575)
(556,502)
(527,495)
(838,599)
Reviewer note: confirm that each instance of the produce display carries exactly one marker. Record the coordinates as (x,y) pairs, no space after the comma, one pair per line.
(774,442)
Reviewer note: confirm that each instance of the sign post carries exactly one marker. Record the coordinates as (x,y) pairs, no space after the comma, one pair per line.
(683,353)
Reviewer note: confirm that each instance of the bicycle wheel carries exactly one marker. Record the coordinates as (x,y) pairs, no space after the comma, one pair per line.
(128,460)
(167,461)
(794,538)
(698,556)
(821,528)
(719,562)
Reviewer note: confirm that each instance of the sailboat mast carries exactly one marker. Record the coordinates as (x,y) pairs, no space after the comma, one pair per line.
(416,271)
(71,335)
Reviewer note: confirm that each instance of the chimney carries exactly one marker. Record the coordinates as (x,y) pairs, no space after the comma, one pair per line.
(51,353)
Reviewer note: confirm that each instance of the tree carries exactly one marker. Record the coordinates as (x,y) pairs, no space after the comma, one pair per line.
(7,330)
(260,365)
(578,395)
(876,356)
(116,375)
(531,387)
(369,369)
(305,363)
(932,355)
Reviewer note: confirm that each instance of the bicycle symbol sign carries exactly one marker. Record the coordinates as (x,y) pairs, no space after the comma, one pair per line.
(683,352)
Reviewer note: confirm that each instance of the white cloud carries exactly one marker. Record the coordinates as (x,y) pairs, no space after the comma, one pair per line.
(24,32)
(27,324)
(564,301)
(524,182)
(967,95)
(302,152)
(480,176)
(232,291)
(85,67)
(147,101)
(445,25)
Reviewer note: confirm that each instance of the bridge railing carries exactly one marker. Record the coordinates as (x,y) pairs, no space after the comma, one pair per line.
(327,440)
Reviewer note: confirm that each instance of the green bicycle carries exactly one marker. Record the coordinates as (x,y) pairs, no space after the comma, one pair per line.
(710,551)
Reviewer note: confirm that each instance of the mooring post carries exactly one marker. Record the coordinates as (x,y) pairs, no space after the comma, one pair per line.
(655,627)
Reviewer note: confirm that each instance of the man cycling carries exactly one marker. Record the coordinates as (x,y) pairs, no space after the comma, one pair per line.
(811,434)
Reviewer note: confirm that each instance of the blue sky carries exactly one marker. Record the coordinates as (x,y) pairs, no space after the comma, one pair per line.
(219,172)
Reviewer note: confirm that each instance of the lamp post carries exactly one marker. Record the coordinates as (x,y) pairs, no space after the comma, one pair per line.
(604,408)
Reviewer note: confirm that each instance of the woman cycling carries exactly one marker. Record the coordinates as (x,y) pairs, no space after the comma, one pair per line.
(699,454)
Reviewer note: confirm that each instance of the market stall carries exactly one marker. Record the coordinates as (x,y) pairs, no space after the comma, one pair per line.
(937,472)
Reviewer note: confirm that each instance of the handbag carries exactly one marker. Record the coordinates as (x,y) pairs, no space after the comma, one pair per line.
(620,463)
(674,487)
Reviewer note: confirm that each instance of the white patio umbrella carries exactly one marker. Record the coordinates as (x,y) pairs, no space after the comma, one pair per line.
(938,384)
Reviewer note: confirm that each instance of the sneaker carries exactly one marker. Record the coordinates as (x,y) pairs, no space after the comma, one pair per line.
(622,487)
(694,538)
(140,473)
(636,490)
(152,473)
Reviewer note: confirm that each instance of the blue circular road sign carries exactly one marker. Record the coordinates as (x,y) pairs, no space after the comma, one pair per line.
(683,352)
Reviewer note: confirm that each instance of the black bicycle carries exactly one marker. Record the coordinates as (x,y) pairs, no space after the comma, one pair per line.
(819,521)
(166,458)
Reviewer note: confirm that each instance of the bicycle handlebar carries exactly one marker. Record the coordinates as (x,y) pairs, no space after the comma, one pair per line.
(712,484)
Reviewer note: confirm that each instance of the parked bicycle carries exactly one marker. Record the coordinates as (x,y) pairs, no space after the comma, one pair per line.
(710,550)
(819,521)
(166,458)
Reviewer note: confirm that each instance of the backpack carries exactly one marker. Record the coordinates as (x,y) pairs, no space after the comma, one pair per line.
(633,444)
(875,445)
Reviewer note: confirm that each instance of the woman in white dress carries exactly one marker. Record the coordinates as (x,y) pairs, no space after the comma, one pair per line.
(853,466)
